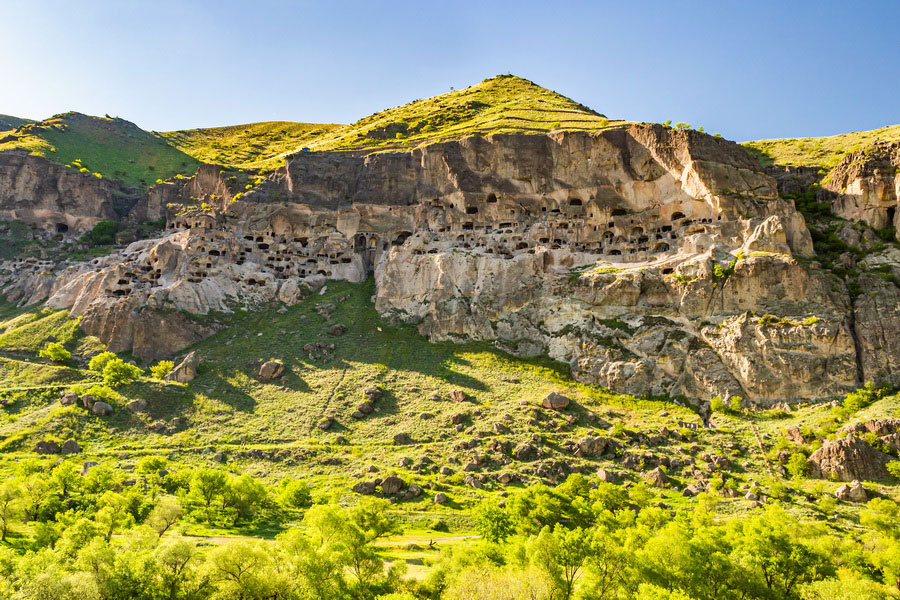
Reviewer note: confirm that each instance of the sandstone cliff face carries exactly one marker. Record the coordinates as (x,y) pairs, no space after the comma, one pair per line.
(651,260)
(866,187)
(37,191)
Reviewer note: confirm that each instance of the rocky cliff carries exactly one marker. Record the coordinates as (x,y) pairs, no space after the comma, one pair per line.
(652,260)
(35,190)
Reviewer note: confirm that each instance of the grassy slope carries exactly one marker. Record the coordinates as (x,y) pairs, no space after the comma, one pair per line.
(8,122)
(114,148)
(505,103)
(824,152)
(227,408)
(254,145)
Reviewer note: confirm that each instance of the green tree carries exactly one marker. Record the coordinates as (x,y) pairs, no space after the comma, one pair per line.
(56,352)
(10,505)
(117,372)
(99,361)
(492,522)
(244,495)
(165,515)
(206,485)
(796,465)
(294,493)
(562,553)
(162,368)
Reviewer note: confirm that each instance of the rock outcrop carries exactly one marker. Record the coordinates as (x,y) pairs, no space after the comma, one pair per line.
(848,459)
(865,186)
(651,260)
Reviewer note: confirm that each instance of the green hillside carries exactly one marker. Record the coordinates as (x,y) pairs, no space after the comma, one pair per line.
(824,152)
(253,145)
(103,146)
(505,103)
(8,122)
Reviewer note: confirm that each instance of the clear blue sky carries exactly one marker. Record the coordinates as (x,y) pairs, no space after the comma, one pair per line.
(749,69)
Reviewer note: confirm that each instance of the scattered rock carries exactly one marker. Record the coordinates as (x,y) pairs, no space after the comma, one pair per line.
(71,447)
(555,401)
(392,485)
(441,498)
(186,370)
(606,476)
(853,492)
(458,396)
(139,405)
(271,369)
(101,409)
(401,438)
(46,448)
(590,446)
(337,330)
(68,398)
(657,477)
(525,451)
(367,488)
(87,466)
(325,423)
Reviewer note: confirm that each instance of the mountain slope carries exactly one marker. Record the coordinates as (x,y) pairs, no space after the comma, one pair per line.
(253,145)
(8,122)
(818,151)
(505,103)
(111,147)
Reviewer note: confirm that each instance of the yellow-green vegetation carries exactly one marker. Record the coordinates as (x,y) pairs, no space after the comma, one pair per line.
(502,104)
(824,152)
(251,146)
(103,146)
(8,122)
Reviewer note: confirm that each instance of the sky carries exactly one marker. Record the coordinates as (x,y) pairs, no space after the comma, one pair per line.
(748,70)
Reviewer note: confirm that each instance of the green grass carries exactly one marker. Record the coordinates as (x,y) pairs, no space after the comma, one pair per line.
(8,122)
(824,152)
(253,146)
(112,148)
(502,104)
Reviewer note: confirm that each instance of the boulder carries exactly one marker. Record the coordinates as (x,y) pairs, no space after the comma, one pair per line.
(657,477)
(555,401)
(506,477)
(101,409)
(337,330)
(186,370)
(590,446)
(606,476)
(87,466)
(271,369)
(441,498)
(68,398)
(525,452)
(401,438)
(325,423)
(847,459)
(88,400)
(852,492)
(71,447)
(373,393)
(139,405)
(366,488)
(46,448)
(392,485)
(458,396)
(365,408)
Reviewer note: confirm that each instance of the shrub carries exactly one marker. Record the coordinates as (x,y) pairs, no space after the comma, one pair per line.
(99,362)
(796,465)
(893,468)
(162,368)
(103,234)
(55,352)
(294,493)
(717,404)
(118,372)
(439,525)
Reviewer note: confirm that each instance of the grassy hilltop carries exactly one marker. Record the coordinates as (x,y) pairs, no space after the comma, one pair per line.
(824,152)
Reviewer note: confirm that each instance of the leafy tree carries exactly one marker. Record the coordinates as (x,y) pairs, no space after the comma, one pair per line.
(165,515)
(561,554)
(796,465)
(103,233)
(162,368)
(244,495)
(294,493)
(99,361)
(493,523)
(117,372)
(207,484)
(177,562)
(113,514)
(10,494)
(56,352)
